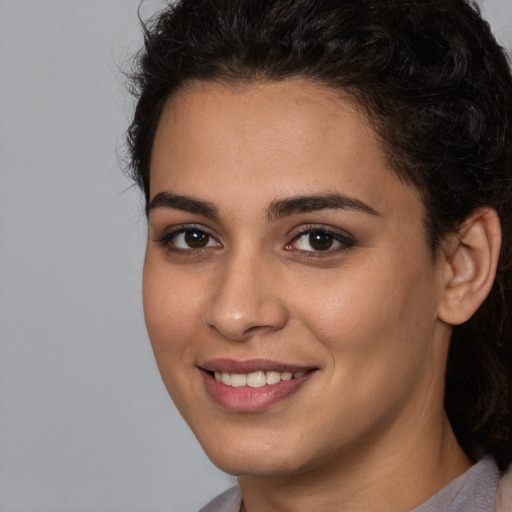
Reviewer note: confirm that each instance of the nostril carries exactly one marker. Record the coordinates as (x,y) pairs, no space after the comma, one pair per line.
(255,328)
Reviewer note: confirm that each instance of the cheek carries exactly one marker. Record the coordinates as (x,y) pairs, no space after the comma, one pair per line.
(373,314)
(171,308)
(172,315)
(376,335)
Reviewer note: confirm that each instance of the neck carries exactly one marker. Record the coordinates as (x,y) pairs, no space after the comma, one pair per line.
(380,479)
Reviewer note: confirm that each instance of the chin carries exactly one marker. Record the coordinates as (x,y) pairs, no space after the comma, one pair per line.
(256,458)
(246,465)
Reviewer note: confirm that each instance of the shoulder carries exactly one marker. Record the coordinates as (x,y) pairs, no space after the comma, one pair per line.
(228,501)
(504,494)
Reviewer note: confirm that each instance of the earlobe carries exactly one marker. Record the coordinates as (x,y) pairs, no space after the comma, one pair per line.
(471,258)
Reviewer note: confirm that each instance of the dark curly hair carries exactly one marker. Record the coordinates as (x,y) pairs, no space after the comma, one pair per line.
(438,90)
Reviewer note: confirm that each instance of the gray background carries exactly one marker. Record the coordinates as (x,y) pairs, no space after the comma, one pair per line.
(85,423)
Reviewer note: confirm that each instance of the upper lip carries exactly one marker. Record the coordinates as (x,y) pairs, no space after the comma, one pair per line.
(251,365)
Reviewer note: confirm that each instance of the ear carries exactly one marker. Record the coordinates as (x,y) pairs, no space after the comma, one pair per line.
(471,257)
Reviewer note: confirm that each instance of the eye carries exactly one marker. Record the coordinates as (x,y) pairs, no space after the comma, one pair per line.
(320,240)
(193,239)
(315,241)
(188,239)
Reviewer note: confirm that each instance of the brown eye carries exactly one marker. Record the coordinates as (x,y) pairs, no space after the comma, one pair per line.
(189,239)
(320,241)
(196,239)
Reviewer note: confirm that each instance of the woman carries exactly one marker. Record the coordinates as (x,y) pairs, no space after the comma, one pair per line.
(327,276)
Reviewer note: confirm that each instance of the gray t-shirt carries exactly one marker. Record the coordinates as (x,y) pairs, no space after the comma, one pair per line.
(473,491)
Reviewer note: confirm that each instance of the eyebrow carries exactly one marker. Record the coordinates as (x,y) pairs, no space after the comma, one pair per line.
(185,203)
(304,204)
(277,209)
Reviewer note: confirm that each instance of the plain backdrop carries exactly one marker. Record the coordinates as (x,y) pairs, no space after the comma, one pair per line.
(85,422)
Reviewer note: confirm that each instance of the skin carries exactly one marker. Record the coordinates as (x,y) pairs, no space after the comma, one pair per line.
(363,314)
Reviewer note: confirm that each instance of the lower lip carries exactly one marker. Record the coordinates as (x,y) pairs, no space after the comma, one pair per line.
(247,399)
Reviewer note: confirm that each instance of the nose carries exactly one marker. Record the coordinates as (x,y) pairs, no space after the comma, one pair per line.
(248,299)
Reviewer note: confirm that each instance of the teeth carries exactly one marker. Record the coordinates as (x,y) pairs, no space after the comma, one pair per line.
(273,377)
(255,379)
(238,380)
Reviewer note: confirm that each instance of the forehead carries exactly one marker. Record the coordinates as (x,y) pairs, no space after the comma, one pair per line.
(282,138)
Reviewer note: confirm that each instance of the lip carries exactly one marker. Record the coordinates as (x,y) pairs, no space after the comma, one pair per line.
(247,399)
(251,365)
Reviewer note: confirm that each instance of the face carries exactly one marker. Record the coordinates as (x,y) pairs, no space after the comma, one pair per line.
(289,294)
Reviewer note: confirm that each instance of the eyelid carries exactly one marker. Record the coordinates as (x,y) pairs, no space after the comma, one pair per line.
(170,232)
(346,239)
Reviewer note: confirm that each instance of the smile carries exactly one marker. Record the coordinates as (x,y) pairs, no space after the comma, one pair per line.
(256,379)
(252,386)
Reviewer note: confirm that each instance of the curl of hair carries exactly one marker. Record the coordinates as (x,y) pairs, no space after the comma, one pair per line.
(438,90)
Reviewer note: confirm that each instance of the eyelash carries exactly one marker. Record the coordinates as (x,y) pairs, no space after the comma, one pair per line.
(345,241)
(167,239)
